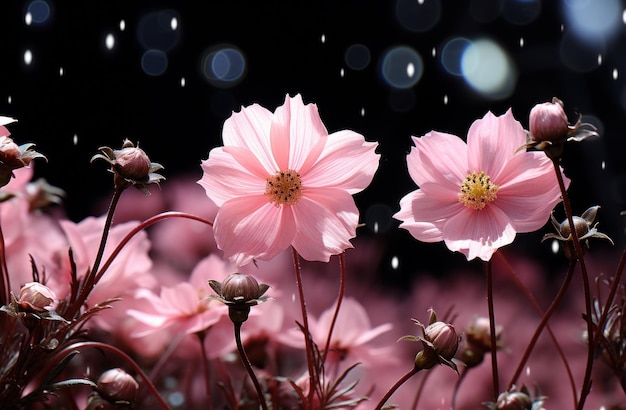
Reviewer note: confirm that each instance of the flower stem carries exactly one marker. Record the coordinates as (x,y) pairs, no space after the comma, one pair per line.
(248,366)
(4,276)
(205,368)
(396,386)
(342,289)
(305,324)
(586,387)
(492,332)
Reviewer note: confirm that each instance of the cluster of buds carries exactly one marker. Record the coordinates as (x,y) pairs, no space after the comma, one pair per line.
(130,166)
(115,389)
(13,156)
(584,228)
(239,292)
(550,129)
(477,342)
(440,343)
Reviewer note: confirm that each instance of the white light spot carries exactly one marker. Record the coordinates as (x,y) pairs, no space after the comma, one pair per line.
(445,99)
(488,69)
(174,23)
(562,28)
(527,371)
(420,1)
(122,25)
(615,74)
(109,41)
(28,18)
(61,72)
(362,111)
(521,42)
(593,21)
(555,246)
(434,52)
(624,16)
(603,165)
(182,81)
(375,227)
(75,139)
(410,70)
(28,57)
(323,38)
(9,99)
(394,263)
(599,59)
(341,73)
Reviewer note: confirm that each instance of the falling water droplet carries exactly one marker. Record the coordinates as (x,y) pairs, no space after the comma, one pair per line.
(122,25)
(362,111)
(615,74)
(75,139)
(182,82)
(341,73)
(434,52)
(445,99)
(109,41)
(521,42)
(603,165)
(375,227)
(323,38)
(395,262)
(410,70)
(9,99)
(174,23)
(599,59)
(28,18)
(555,246)
(28,57)
(61,72)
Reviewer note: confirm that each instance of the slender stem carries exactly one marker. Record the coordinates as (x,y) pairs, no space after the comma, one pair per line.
(396,386)
(4,277)
(127,359)
(457,387)
(540,312)
(609,301)
(342,289)
(305,323)
(248,366)
(544,321)
(586,387)
(205,368)
(492,331)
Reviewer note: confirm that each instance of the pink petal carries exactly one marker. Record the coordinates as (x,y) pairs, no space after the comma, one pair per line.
(225,178)
(438,157)
(492,141)
(250,128)
(295,131)
(250,227)
(347,162)
(478,233)
(424,215)
(326,220)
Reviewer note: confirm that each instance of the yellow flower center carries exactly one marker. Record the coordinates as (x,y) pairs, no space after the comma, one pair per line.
(477,190)
(284,187)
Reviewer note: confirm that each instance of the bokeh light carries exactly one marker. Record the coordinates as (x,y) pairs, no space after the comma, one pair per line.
(452,53)
(109,41)
(37,12)
(154,62)
(402,67)
(521,12)
(578,57)
(418,16)
(488,69)
(224,66)
(357,56)
(28,57)
(156,30)
(593,21)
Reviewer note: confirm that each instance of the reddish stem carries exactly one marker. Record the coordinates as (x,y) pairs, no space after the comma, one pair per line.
(396,386)
(342,289)
(492,331)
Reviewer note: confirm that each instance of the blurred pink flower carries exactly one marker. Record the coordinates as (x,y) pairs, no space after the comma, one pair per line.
(282,180)
(476,197)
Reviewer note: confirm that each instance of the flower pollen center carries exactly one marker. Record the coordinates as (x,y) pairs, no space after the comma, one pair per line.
(477,190)
(284,187)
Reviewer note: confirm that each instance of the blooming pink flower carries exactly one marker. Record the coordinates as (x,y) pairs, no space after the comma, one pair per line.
(476,197)
(282,180)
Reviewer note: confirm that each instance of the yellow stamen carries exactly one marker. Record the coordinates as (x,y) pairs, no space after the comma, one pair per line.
(477,190)
(284,187)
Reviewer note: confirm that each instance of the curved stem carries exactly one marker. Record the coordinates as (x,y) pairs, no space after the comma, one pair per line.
(342,289)
(305,323)
(248,366)
(205,368)
(586,387)
(540,312)
(396,386)
(492,331)
(127,359)
(4,276)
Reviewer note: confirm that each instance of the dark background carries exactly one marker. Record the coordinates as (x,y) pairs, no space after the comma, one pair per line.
(104,95)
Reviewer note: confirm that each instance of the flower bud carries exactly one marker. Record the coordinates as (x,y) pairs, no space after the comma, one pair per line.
(514,401)
(548,121)
(117,385)
(444,339)
(241,288)
(36,297)
(132,162)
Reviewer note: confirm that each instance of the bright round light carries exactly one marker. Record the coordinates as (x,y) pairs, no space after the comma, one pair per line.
(488,69)
(38,12)
(451,54)
(224,66)
(402,67)
(593,21)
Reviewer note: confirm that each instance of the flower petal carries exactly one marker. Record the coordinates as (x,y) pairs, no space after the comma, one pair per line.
(225,178)
(295,131)
(492,141)
(478,234)
(347,162)
(326,220)
(249,227)
(250,128)
(424,216)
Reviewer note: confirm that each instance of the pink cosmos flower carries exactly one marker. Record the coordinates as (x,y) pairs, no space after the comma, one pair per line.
(476,197)
(282,180)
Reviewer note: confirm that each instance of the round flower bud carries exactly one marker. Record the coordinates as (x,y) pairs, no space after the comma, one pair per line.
(444,339)
(117,385)
(132,163)
(580,224)
(34,296)
(241,288)
(548,121)
(514,401)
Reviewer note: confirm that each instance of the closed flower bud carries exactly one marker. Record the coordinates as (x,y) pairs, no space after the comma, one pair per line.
(116,385)
(514,401)
(238,287)
(444,339)
(132,162)
(548,121)
(35,297)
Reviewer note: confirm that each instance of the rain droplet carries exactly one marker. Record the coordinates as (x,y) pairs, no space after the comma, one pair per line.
(122,25)
(28,57)
(182,82)
(445,99)
(603,165)
(375,227)
(555,246)
(341,73)
(109,41)
(599,59)
(61,71)
(75,139)
(9,99)
(363,112)
(174,23)
(434,52)
(323,38)
(521,42)
(615,74)
(395,262)
(28,18)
